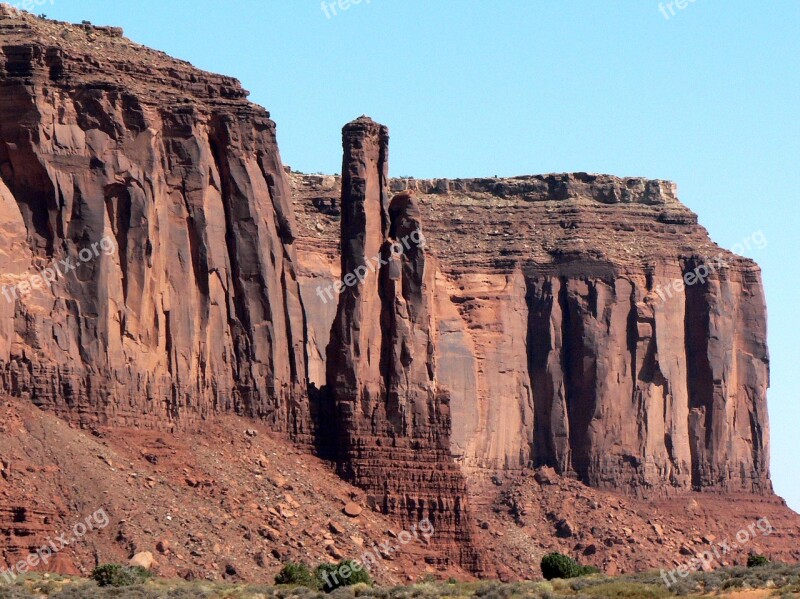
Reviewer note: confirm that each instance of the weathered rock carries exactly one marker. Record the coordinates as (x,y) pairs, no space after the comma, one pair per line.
(539,325)
(336,528)
(564,529)
(352,509)
(191,305)
(143,559)
(393,417)
(551,308)
(545,476)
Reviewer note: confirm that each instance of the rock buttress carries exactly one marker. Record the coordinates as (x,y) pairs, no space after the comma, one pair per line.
(392,418)
(637,393)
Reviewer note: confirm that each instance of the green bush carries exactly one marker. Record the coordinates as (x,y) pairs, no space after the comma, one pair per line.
(344,574)
(114,575)
(296,574)
(558,565)
(756,561)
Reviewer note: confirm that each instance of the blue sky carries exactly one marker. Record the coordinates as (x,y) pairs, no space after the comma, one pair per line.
(709,98)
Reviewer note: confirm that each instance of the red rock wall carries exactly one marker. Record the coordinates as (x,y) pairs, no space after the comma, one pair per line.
(528,331)
(624,383)
(555,345)
(199,311)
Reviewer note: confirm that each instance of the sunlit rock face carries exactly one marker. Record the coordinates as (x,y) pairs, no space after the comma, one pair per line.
(191,307)
(583,322)
(567,335)
(391,416)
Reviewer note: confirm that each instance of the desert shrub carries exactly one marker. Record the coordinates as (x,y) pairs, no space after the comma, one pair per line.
(92,591)
(114,575)
(187,593)
(294,592)
(359,576)
(578,584)
(790,591)
(494,590)
(627,590)
(344,574)
(558,565)
(587,570)
(296,574)
(756,561)
(13,593)
(486,587)
(399,593)
(328,577)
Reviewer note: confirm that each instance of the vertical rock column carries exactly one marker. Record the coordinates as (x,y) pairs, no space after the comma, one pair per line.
(392,419)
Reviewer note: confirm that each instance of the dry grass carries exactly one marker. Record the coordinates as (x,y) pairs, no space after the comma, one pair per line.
(775,580)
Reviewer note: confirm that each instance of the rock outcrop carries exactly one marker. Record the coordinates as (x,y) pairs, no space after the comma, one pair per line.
(564,335)
(192,307)
(392,418)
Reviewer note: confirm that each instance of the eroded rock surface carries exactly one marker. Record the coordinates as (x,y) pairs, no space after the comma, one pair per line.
(392,418)
(539,325)
(197,310)
(563,340)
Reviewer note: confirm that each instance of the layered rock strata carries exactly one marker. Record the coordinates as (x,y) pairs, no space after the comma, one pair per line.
(192,308)
(540,325)
(392,418)
(564,337)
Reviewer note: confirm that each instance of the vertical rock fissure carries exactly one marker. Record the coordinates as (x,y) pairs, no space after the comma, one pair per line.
(700,384)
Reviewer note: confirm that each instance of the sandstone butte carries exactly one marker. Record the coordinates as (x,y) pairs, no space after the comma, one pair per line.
(528,332)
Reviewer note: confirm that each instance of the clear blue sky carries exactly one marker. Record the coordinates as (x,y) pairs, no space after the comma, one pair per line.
(709,98)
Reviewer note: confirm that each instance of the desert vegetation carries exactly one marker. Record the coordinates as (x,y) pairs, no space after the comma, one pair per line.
(326,577)
(774,580)
(558,565)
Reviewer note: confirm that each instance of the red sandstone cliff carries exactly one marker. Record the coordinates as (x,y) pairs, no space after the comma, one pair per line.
(532,329)
(554,342)
(198,312)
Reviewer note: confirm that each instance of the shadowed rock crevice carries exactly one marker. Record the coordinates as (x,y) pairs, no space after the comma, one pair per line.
(538,325)
(562,334)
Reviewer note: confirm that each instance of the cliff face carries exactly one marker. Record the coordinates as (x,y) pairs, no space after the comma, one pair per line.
(195,308)
(533,321)
(563,335)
